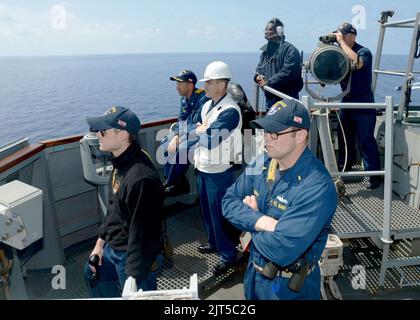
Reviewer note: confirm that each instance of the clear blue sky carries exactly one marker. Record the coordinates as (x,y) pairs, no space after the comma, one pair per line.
(129,26)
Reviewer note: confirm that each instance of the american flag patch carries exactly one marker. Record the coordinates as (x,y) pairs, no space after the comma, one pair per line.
(122,123)
(297,119)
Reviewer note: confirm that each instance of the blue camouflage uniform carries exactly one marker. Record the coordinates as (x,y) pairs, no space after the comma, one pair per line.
(190,109)
(189,115)
(359,123)
(303,199)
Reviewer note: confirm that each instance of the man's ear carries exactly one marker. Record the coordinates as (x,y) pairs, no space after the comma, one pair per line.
(125,135)
(302,135)
(191,85)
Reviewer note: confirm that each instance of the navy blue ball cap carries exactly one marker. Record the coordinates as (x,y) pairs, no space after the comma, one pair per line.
(282,115)
(185,76)
(118,118)
(346,28)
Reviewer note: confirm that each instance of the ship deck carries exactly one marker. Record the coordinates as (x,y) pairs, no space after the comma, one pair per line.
(360,214)
(186,232)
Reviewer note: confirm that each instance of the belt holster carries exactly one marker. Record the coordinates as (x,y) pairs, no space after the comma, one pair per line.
(270,270)
(299,270)
(296,281)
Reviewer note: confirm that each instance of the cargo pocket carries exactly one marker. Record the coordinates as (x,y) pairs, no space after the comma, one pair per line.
(155,266)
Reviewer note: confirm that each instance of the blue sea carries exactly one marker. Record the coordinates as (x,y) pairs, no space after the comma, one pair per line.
(50,97)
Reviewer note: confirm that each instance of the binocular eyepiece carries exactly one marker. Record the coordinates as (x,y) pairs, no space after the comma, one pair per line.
(94,262)
(328,38)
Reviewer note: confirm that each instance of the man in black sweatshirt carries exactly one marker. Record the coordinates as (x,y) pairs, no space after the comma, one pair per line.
(129,242)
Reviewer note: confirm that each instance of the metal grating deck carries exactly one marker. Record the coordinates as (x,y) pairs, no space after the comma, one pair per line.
(361,215)
(187,261)
(363,252)
(185,232)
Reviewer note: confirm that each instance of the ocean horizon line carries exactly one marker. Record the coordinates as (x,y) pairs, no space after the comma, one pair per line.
(153,53)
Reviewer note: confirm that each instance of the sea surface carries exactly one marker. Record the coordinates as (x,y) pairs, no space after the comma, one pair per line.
(51,97)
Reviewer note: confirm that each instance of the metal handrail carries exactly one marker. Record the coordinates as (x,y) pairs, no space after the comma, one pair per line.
(408,73)
(393,73)
(400,23)
(387,172)
(278,93)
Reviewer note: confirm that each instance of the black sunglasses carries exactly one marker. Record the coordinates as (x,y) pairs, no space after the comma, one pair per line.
(103,132)
(275,135)
(95,131)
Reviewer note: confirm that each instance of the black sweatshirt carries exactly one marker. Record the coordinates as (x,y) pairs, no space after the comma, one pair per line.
(134,216)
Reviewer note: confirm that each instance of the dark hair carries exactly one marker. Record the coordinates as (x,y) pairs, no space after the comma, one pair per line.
(276,22)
